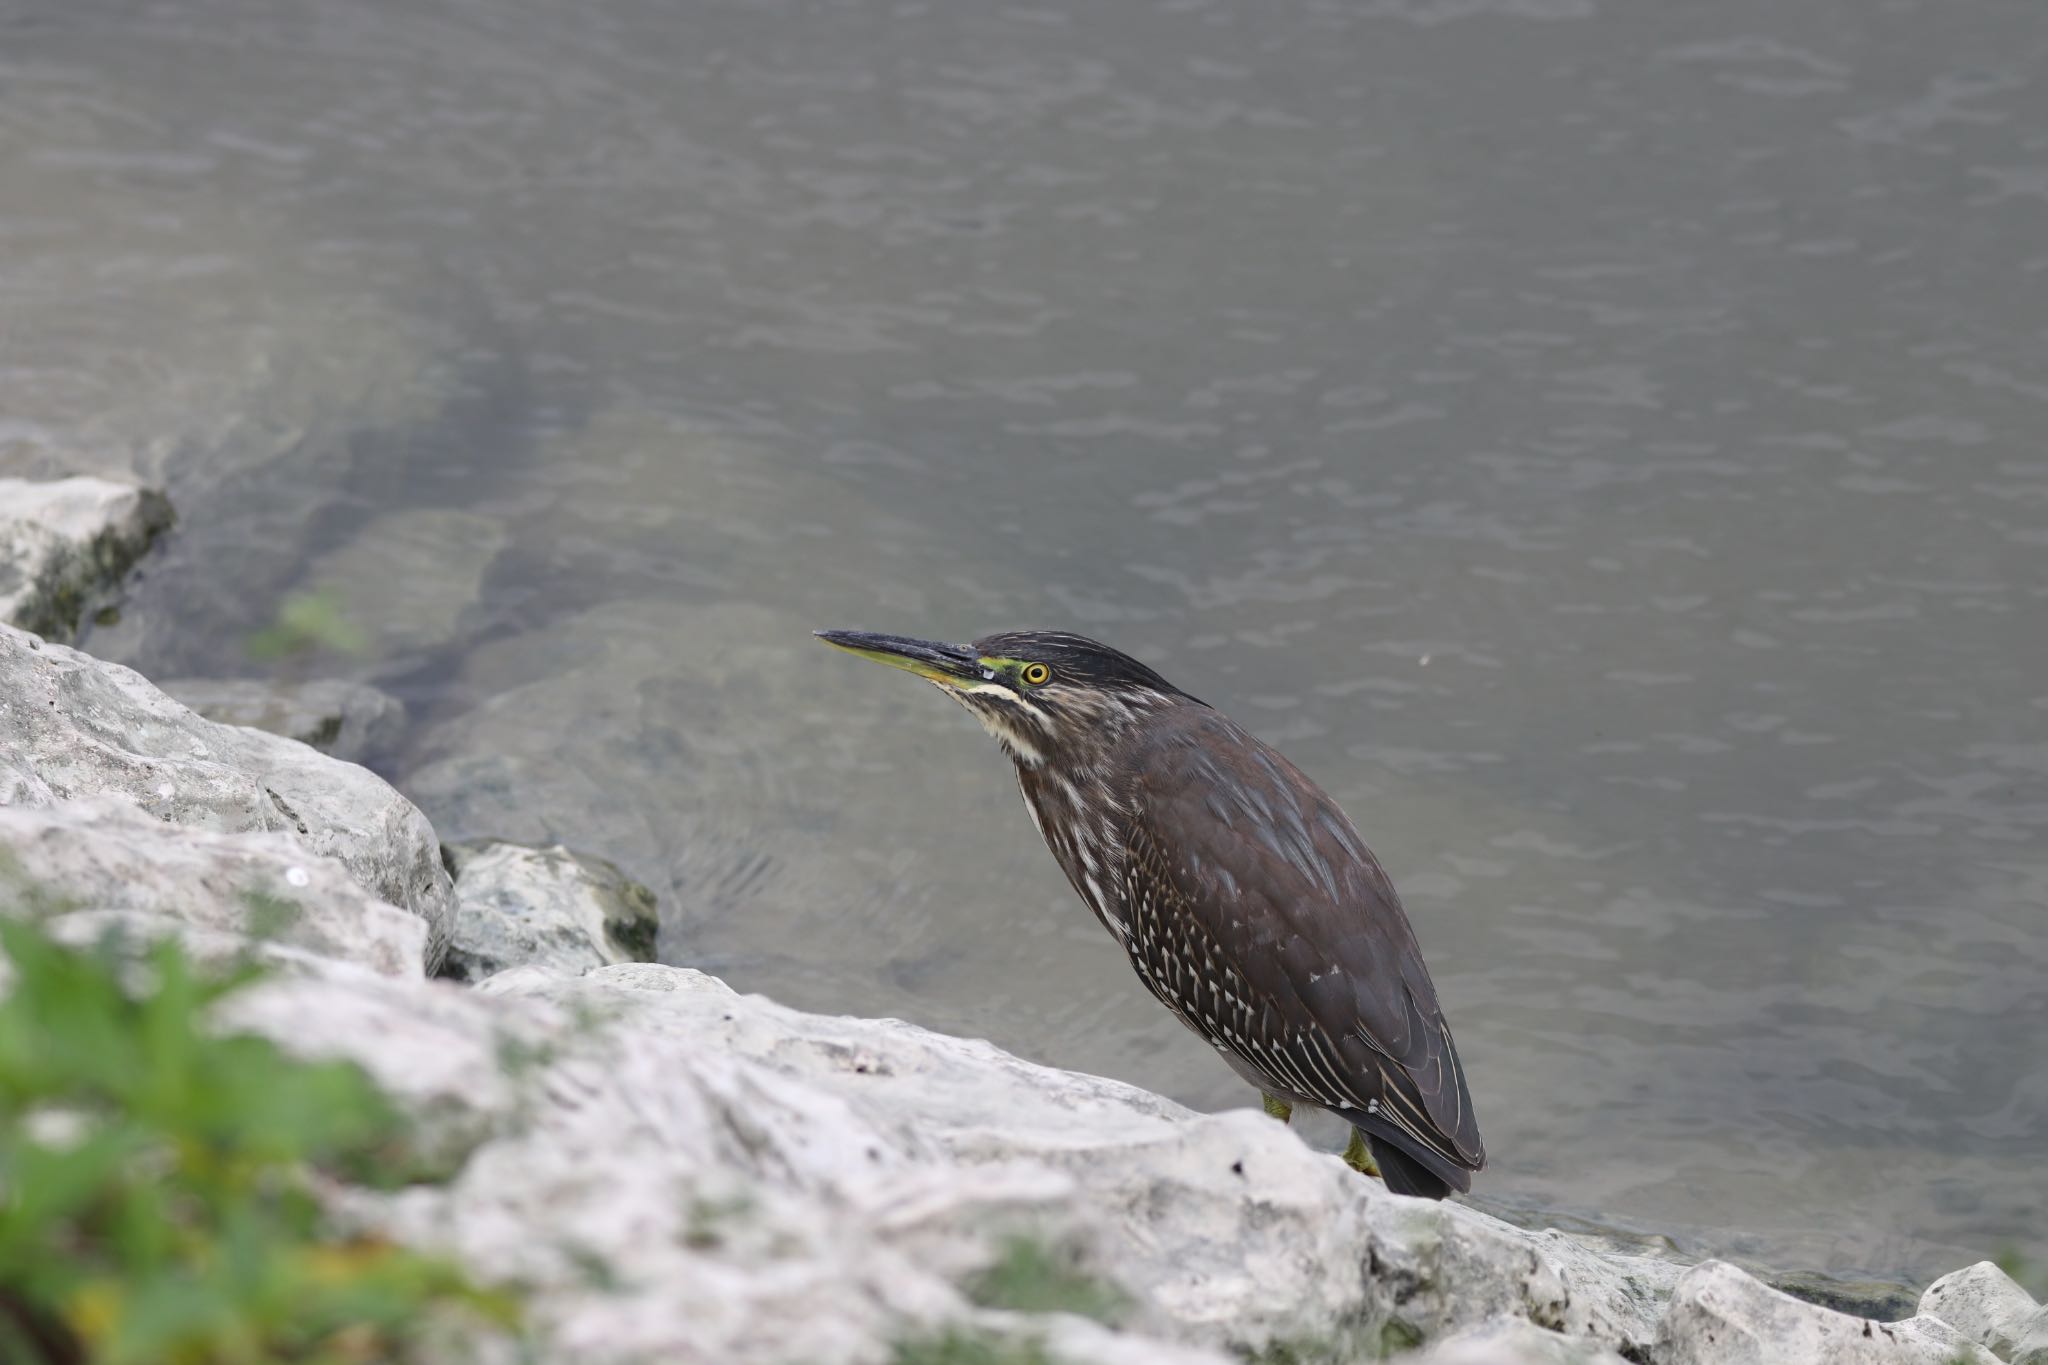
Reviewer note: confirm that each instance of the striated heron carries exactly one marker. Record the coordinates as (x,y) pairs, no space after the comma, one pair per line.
(1243,896)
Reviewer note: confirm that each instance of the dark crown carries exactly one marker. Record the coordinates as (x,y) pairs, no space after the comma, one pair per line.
(1075,659)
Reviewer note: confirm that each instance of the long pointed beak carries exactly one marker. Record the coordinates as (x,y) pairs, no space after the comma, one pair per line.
(953,665)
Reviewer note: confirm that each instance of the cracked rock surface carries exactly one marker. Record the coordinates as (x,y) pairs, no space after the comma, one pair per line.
(110,865)
(73,727)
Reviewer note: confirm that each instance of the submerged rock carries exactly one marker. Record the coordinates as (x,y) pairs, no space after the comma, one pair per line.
(262,392)
(543,907)
(73,727)
(65,546)
(669,706)
(407,578)
(348,720)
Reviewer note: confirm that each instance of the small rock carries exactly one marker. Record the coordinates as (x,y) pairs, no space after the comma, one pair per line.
(107,864)
(548,908)
(1720,1315)
(1982,1302)
(349,720)
(65,546)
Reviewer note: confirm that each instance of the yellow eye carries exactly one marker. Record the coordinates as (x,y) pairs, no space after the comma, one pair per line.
(1035,673)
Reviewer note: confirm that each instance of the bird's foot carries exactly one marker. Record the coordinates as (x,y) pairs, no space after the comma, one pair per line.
(1359,1157)
(1277,1107)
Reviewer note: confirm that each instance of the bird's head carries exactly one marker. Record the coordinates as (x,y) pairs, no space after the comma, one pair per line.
(1047,696)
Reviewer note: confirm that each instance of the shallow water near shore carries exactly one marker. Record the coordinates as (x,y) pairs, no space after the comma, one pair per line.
(1602,444)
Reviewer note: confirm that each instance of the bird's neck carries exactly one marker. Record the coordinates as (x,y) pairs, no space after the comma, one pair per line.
(1081,819)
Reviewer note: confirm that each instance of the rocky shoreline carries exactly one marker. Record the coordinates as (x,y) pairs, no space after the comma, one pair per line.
(670,1171)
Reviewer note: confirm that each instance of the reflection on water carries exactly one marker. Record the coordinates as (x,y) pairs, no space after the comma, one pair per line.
(1602,443)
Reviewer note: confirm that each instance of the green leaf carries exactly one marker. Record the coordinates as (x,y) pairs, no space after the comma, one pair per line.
(155,1200)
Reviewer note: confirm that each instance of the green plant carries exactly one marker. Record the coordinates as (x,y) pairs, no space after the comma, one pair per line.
(157,1201)
(1029,1276)
(307,623)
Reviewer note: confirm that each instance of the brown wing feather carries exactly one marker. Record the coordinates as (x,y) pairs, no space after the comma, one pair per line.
(1241,867)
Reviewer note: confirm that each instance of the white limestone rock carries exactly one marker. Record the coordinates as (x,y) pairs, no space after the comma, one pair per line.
(675,1172)
(1513,1341)
(550,908)
(108,865)
(346,720)
(208,949)
(73,727)
(662,1201)
(1982,1302)
(1448,1267)
(1243,1236)
(684,1173)
(2030,1342)
(1720,1315)
(66,544)
(1082,1342)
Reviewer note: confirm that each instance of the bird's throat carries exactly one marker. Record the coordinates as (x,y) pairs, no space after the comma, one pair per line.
(1008,720)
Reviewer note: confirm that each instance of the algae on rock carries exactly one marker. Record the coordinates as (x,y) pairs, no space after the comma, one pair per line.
(67,544)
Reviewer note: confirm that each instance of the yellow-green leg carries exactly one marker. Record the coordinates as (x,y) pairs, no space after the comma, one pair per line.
(1277,1107)
(1359,1158)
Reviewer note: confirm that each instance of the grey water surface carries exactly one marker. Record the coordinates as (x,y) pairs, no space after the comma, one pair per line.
(1605,442)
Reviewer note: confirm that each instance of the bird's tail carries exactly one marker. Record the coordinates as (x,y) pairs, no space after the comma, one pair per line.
(1403,1173)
